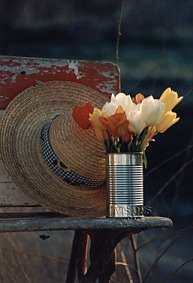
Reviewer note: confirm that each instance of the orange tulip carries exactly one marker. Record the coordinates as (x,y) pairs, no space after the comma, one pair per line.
(138,98)
(81,115)
(117,125)
(123,131)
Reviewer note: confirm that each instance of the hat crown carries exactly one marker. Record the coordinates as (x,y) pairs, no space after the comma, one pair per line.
(76,148)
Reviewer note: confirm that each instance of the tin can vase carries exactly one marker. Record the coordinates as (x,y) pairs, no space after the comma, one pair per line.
(125,196)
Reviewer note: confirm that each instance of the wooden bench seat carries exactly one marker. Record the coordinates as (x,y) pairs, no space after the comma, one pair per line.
(45,221)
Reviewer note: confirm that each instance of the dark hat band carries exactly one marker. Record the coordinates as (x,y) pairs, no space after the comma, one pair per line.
(60,169)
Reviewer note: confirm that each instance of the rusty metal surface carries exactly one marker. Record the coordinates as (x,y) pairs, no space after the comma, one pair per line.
(18,73)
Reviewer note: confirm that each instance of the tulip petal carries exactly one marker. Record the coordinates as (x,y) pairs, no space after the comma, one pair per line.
(168,120)
(81,114)
(152,109)
(170,98)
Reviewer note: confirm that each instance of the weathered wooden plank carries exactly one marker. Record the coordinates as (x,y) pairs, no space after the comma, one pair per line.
(55,223)
(10,194)
(18,73)
(30,215)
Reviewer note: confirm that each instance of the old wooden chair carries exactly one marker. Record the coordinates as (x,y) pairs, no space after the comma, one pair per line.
(19,213)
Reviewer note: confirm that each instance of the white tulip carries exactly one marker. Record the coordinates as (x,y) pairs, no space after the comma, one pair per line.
(134,116)
(109,108)
(118,99)
(136,124)
(152,110)
(121,99)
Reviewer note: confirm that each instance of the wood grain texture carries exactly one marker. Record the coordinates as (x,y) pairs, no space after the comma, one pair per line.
(46,221)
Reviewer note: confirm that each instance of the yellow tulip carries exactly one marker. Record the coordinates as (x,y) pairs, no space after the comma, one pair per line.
(167,121)
(151,133)
(170,98)
(149,137)
(94,118)
(99,129)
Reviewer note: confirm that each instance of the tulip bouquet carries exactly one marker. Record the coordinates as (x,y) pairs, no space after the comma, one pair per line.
(128,124)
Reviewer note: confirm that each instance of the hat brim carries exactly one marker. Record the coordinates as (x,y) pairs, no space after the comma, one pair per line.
(20,147)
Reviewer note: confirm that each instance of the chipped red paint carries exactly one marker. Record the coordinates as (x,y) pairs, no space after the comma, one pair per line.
(19,73)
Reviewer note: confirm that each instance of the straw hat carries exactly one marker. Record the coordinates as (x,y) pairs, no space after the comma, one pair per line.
(48,156)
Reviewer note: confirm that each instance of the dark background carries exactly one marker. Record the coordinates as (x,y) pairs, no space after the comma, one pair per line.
(155,51)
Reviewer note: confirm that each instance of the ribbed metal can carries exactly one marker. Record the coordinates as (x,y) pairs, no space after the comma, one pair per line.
(125,196)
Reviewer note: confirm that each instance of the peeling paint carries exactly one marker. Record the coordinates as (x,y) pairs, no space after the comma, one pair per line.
(44,63)
(13,79)
(107,74)
(108,87)
(73,67)
(23,66)
(18,69)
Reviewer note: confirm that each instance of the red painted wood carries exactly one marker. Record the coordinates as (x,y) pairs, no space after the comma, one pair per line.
(19,73)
